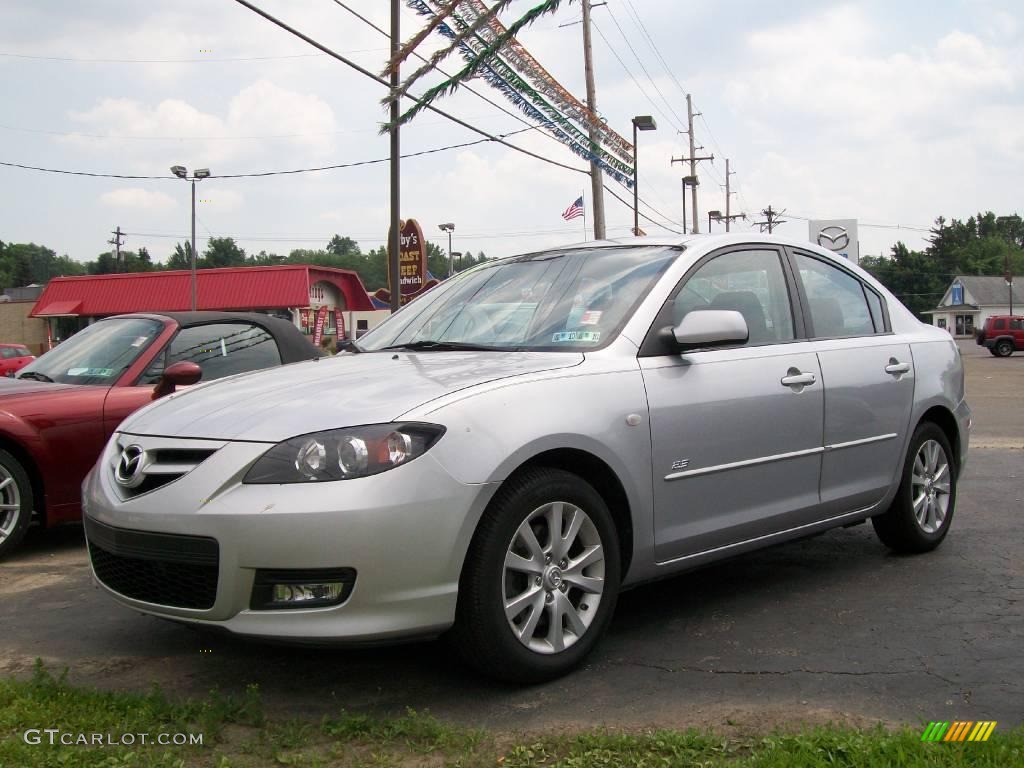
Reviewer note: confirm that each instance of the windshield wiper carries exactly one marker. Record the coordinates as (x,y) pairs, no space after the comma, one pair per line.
(36,376)
(427,344)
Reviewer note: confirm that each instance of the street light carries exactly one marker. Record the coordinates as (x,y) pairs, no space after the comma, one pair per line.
(713,216)
(197,175)
(449,228)
(640,123)
(688,181)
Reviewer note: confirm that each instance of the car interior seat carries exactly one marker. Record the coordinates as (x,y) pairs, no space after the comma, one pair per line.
(748,305)
(827,316)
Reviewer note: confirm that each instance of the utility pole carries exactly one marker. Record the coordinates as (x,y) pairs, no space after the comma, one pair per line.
(728,195)
(394,232)
(772,219)
(693,163)
(596,177)
(116,242)
(692,160)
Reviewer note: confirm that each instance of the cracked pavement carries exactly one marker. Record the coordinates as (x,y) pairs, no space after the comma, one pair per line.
(828,628)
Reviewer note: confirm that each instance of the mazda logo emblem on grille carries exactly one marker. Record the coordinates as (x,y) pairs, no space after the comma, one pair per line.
(128,472)
(834,238)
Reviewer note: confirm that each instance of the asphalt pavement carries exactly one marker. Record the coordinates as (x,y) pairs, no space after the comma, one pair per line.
(829,628)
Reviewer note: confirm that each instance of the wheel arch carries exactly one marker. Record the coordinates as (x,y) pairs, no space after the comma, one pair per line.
(24,457)
(944,419)
(595,471)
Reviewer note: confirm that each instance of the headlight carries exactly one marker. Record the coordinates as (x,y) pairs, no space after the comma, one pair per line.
(343,454)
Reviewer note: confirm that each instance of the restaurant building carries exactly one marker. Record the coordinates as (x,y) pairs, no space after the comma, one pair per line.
(293,291)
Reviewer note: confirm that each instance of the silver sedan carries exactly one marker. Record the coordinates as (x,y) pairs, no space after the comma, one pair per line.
(506,453)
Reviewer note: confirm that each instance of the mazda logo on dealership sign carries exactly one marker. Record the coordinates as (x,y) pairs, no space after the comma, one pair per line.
(834,238)
(128,472)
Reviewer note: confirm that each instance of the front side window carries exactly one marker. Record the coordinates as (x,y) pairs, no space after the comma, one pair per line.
(220,349)
(750,282)
(551,301)
(98,354)
(837,304)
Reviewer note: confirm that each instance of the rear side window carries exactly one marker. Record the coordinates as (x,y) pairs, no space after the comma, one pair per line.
(221,349)
(8,352)
(875,306)
(836,300)
(1017,325)
(999,325)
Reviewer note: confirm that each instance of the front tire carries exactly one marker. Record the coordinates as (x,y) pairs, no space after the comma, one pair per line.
(920,515)
(15,503)
(541,578)
(1004,348)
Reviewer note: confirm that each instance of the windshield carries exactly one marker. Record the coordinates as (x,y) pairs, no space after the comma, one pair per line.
(98,354)
(561,300)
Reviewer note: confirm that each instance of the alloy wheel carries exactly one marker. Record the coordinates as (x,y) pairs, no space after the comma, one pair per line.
(553,577)
(10,503)
(930,486)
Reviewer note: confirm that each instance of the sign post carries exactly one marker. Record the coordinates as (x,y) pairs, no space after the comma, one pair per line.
(412,265)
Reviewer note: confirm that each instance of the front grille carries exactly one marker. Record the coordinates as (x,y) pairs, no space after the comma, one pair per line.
(161,568)
(164,465)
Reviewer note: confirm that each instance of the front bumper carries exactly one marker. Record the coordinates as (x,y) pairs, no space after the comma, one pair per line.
(405,532)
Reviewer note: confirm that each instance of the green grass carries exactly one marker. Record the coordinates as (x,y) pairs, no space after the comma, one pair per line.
(236,734)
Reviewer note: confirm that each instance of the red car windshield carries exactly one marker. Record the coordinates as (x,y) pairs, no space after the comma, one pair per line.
(98,354)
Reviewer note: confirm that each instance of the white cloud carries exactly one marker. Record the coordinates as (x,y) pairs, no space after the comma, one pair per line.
(138,199)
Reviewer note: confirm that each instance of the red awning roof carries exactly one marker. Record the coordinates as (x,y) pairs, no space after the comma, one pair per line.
(60,308)
(233,288)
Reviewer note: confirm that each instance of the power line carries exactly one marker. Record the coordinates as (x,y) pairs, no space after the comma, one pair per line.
(178,61)
(678,120)
(642,215)
(635,17)
(258,174)
(381,81)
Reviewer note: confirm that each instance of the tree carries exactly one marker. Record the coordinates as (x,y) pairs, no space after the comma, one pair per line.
(223,252)
(181,258)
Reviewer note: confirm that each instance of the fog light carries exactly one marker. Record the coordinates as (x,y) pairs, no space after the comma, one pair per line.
(307,593)
(316,588)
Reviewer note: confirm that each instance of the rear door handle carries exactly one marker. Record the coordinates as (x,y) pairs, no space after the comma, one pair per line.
(896,368)
(797,380)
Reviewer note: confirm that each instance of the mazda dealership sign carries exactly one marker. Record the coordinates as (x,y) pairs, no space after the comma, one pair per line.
(838,235)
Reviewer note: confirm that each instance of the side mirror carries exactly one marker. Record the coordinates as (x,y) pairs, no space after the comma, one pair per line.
(182,373)
(710,328)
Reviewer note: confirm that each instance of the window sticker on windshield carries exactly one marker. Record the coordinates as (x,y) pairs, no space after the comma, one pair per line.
(577,336)
(139,341)
(101,372)
(591,317)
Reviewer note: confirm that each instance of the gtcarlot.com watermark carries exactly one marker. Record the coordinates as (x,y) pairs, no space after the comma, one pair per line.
(57,737)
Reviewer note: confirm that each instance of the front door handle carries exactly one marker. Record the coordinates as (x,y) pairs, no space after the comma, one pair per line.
(797,380)
(896,368)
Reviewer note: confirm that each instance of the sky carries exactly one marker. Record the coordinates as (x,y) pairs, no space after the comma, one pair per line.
(892,113)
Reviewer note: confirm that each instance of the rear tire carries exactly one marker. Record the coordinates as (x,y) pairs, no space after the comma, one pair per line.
(541,578)
(16,503)
(1004,348)
(920,515)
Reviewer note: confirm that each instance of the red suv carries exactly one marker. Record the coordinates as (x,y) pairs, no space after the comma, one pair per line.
(13,357)
(1002,334)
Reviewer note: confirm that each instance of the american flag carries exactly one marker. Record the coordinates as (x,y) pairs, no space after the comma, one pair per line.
(575,210)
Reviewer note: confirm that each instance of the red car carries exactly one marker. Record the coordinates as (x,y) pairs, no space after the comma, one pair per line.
(59,411)
(1002,334)
(13,357)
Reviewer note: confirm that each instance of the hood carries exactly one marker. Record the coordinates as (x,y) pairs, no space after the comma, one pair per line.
(342,391)
(11,389)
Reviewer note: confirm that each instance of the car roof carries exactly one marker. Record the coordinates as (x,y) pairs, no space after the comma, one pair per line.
(292,343)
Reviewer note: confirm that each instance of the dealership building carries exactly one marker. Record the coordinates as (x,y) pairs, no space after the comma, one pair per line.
(971,299)
(292,291)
